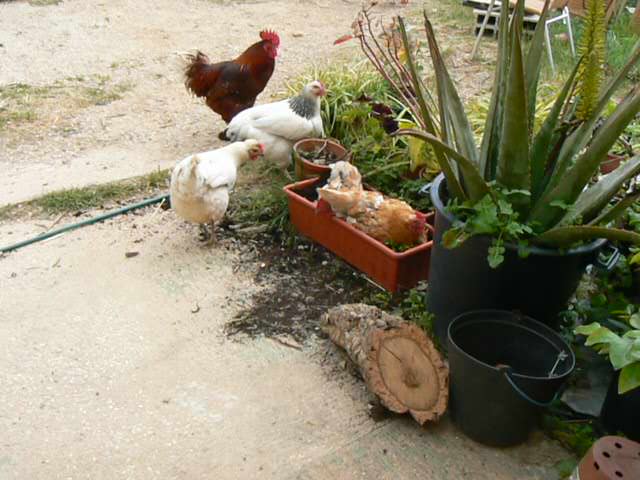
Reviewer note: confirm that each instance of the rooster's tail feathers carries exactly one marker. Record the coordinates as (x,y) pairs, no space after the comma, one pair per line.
(199,74)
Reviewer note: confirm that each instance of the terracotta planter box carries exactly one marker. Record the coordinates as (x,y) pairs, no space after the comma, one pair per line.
(392,270)
(308,169)
(611,163)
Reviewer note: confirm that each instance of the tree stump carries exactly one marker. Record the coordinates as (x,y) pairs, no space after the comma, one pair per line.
(397,360)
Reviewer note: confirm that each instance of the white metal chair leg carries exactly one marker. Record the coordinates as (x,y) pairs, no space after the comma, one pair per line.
(570,29)
(549,50)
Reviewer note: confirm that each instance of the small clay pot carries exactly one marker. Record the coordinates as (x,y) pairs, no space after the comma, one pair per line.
(611,163)
(308,169)
(611,458)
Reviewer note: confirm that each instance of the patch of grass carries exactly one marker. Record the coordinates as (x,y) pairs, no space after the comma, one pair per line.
(21,104)
(262,201)
(44,3)
(94,196)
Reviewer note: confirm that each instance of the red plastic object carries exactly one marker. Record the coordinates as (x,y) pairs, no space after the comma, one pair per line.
(392,270)
(611,458)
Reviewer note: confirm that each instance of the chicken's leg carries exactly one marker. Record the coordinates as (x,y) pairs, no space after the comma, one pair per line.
(204,234)
(212,238)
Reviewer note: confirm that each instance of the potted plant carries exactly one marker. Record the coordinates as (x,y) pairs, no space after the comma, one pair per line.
(393,270)
(621,408)
(520,217)
(313,157)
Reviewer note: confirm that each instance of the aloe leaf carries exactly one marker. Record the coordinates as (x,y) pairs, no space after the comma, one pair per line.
(513,159)
(533,64)
(614,212)
(451,103)
(570,186)
(580,137)
(595,198)
(418,87)
(566,236)
(493,125)
(543,141)
(475,185)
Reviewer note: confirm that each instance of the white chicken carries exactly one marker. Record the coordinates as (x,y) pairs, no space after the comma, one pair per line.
(201,183)
(280,124)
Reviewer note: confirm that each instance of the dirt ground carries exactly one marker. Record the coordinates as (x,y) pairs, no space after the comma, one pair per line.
(118,366)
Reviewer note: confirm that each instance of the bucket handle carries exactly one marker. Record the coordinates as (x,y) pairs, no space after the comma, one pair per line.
(519,391)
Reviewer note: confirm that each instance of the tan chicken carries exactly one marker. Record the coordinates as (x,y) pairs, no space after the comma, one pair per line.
(388,220)
(344,176)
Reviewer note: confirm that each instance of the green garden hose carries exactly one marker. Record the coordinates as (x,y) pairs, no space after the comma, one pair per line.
(84,223)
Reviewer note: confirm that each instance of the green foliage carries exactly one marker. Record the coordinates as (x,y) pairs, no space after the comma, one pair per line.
(490,216)
(384,161)
(546,169)
(623,350)
(576,437)
(591,49)
(411,305)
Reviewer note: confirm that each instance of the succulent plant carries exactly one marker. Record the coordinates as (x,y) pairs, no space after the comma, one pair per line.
(547,174)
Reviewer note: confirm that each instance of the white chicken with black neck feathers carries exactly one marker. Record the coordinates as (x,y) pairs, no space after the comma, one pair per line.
(201,183)
(280,124)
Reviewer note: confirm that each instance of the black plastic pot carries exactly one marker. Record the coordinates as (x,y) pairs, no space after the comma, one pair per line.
(461,280)
(621,413)
(503,369)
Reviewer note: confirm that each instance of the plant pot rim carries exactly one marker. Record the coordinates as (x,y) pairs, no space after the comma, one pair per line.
(440,207)
(314,167)
(503,317)
(291,190)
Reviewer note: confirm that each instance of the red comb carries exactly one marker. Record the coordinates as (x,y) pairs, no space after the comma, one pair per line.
(261,145)
(270,36)
(322,206)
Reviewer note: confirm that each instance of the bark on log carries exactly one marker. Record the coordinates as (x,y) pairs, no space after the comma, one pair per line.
(398,362)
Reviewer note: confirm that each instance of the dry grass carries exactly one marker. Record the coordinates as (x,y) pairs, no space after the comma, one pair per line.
(22,104)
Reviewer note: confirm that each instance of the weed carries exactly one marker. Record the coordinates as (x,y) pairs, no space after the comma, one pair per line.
(410,305)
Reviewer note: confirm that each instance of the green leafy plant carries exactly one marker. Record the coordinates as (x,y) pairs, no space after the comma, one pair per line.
(549,172)
(623,350)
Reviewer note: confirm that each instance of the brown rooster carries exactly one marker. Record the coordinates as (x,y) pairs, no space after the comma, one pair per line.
(232,86)
(388,220)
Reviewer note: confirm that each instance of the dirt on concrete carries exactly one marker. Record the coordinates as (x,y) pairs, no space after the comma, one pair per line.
(115,360)
(117,365)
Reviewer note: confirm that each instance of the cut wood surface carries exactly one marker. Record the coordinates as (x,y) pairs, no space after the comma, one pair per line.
(397,360)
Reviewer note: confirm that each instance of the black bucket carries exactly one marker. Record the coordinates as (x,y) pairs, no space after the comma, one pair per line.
(503,368)
(461,280)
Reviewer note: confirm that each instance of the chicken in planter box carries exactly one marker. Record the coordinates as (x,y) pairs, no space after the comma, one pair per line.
(388,220)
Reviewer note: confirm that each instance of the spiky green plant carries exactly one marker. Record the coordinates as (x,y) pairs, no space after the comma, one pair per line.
(545,175)
(592,50)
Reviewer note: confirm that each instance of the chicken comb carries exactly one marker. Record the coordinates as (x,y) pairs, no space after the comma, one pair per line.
(270,36)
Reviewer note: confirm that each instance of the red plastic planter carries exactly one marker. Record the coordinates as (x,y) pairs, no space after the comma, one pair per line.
(392,270)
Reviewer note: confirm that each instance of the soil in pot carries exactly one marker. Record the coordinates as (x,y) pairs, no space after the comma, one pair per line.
(461,279)
(313,157)
(503,368)
(621,413)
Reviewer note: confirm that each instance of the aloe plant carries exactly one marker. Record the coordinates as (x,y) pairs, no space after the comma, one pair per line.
(547,173)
